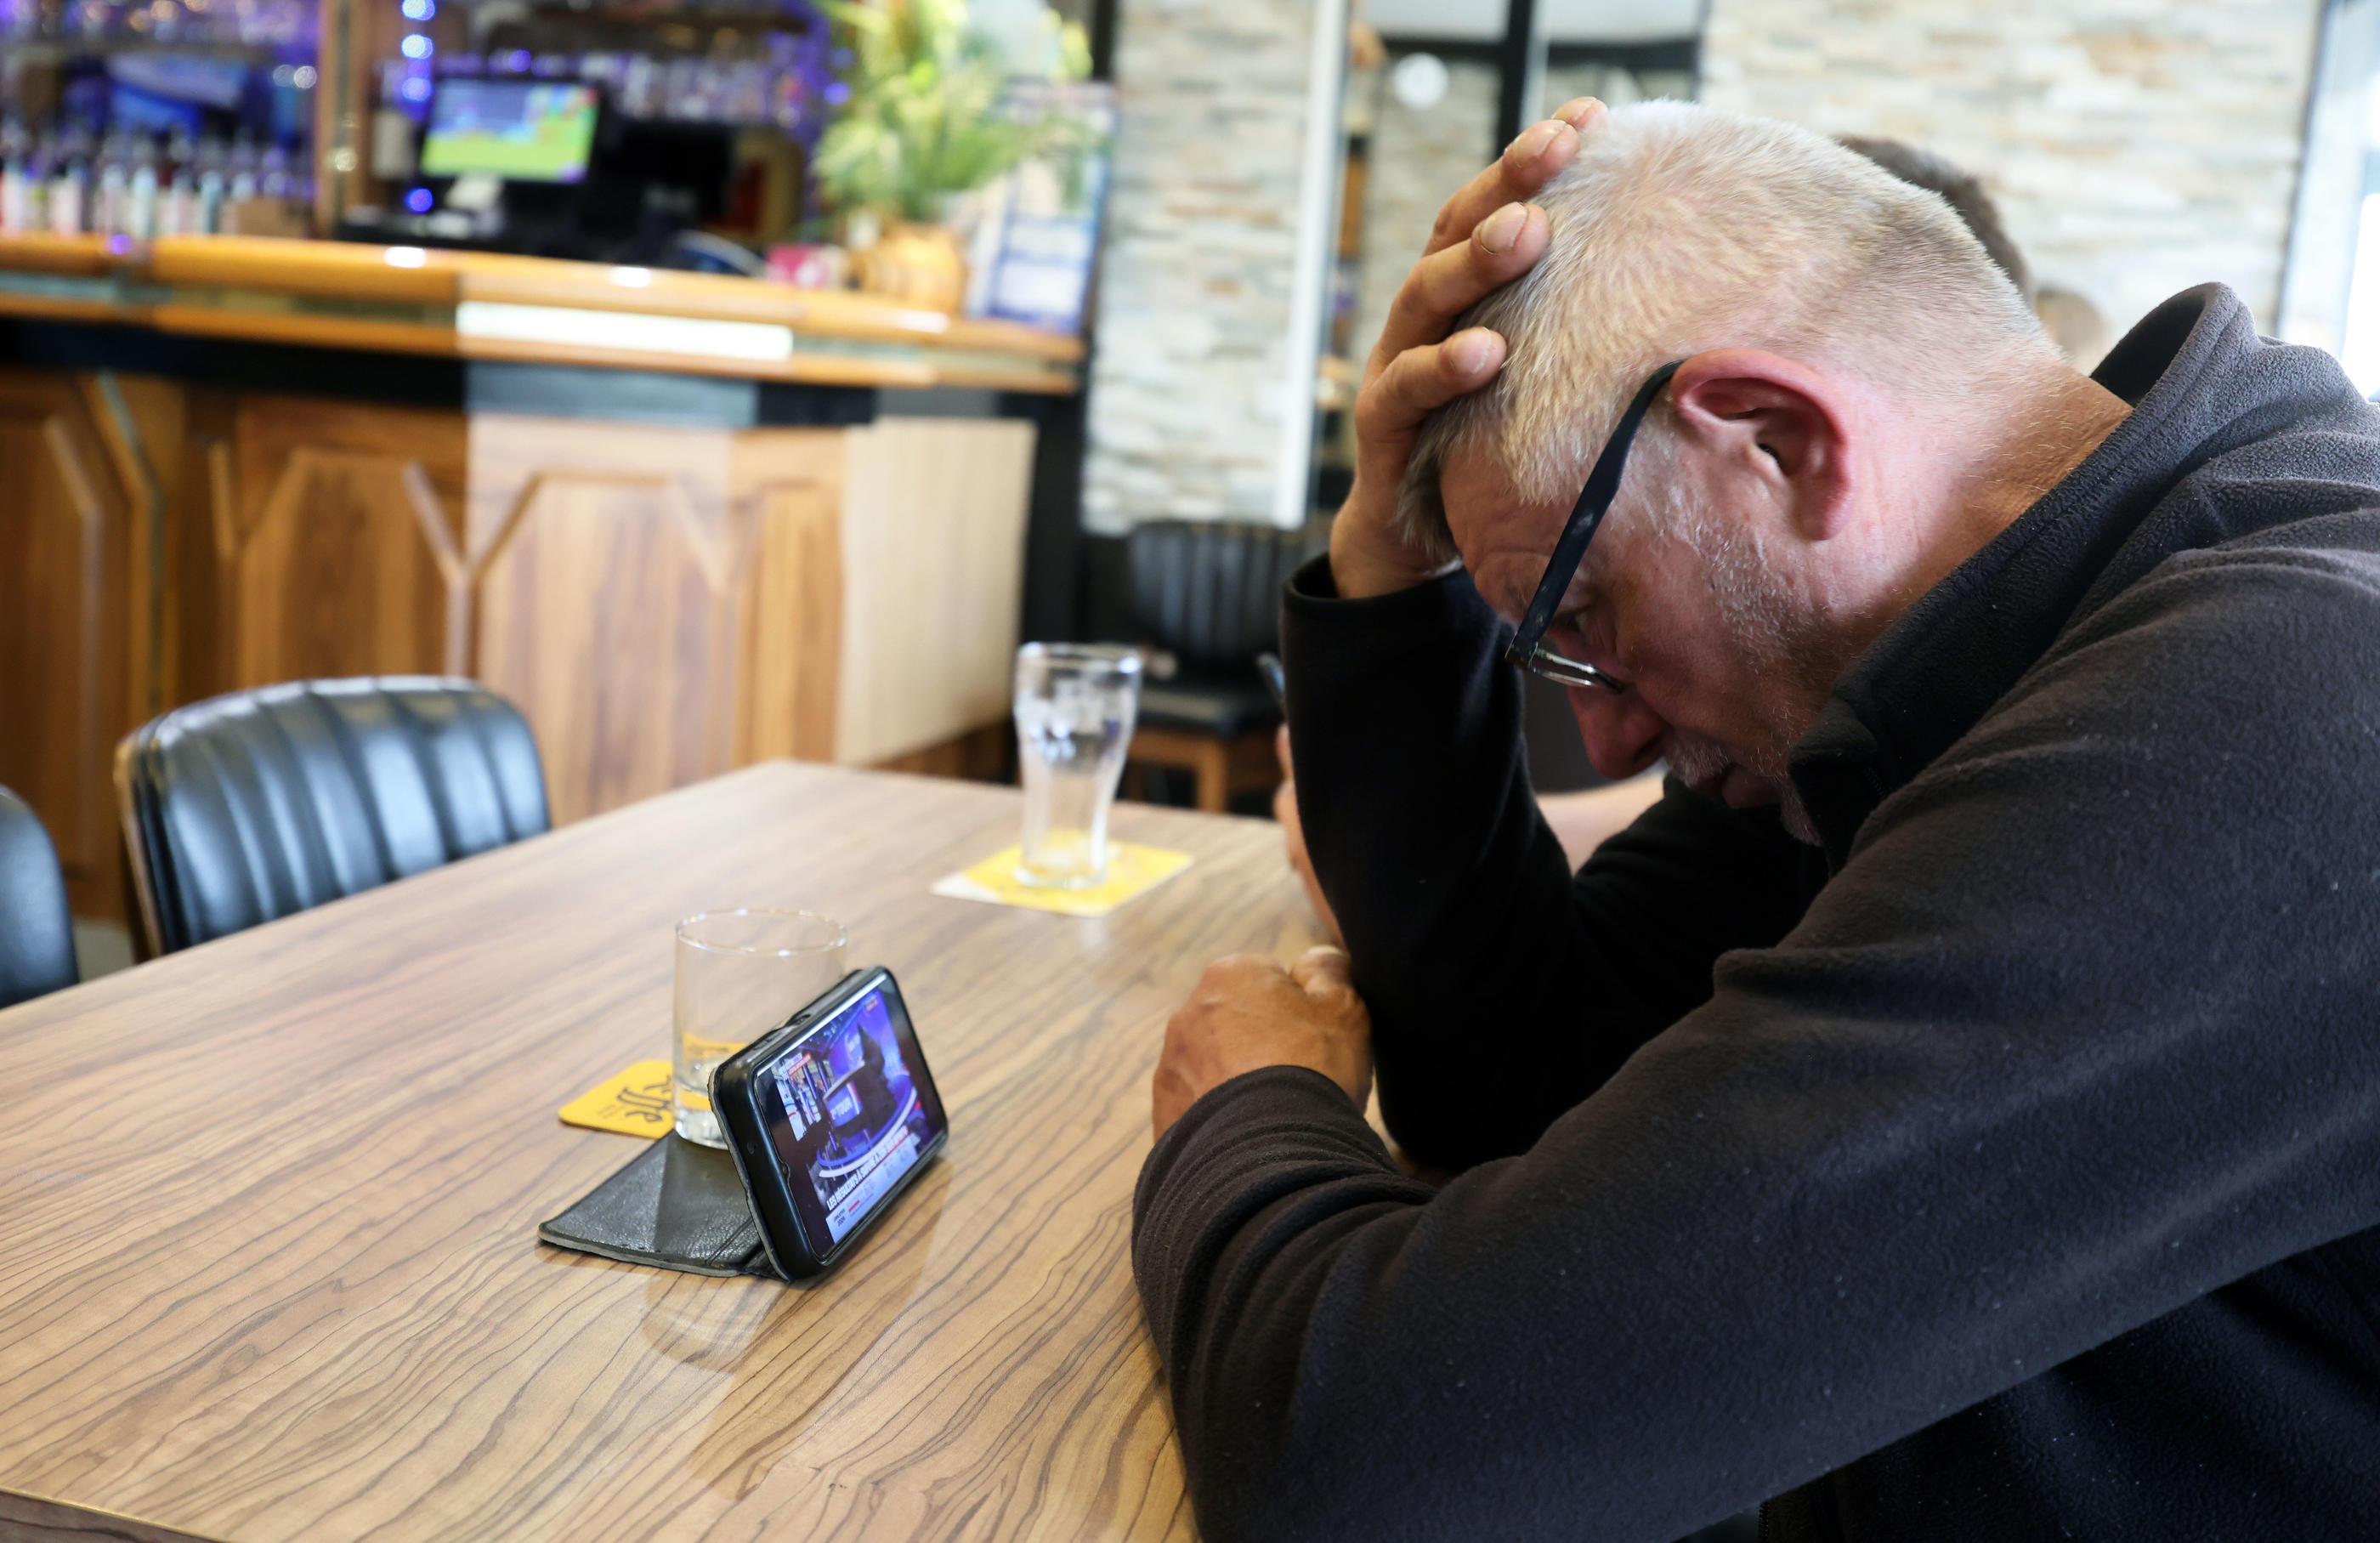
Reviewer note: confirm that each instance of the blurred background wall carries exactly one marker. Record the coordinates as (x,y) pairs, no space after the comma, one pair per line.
(1421,151)
(1191,378)
(2135,147)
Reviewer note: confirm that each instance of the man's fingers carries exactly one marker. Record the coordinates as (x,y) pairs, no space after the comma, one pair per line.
(1322,971)
(1410,371)
(1388,411)
(1417,381)
(1449,281)
(1235,972)
(1491,226)
(1579,111)
(1528,163)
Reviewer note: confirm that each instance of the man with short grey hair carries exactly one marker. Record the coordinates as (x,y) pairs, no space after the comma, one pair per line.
(1953,1111)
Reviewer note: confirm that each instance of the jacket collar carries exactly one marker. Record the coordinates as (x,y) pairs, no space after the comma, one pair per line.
(2201,384)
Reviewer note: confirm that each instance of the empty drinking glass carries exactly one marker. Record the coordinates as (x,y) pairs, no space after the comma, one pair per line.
(739,975)
(1075,709)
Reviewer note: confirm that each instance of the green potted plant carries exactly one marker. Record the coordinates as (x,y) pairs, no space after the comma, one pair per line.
(923,123)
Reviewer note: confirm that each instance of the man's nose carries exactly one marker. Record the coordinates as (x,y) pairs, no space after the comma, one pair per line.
(1622,734)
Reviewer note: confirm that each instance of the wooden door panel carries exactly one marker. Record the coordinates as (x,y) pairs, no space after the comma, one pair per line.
(933,529)
(662,603)
(791,480)
(202,549)
(64,543)
(345,574)
(606,612)
(344,557)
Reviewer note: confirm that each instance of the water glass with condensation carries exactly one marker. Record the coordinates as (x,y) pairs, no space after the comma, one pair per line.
(1075,710)
(739,975)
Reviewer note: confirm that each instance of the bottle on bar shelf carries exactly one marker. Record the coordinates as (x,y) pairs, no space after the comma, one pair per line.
(243,168)
(211,195)
(67,181)
(16,177)
(141,192)
(113,185)
(273,181)
(178,201)
(70,185)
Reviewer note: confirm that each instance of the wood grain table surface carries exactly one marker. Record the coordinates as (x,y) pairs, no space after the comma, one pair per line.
(267,1207)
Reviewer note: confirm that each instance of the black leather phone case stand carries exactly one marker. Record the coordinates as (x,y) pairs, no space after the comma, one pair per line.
(679,1205)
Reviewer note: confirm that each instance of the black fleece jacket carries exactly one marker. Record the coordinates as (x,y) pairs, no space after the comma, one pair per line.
(2009,1170)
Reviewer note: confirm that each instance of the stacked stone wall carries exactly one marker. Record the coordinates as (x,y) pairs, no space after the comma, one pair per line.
(1187,387)
(2135,147)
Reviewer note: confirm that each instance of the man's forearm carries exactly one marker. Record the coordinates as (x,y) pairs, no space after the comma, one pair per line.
(1452,895)
(1501,991)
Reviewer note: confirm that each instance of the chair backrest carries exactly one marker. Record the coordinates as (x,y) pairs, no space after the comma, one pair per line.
(36,932)
(1209,591)
(262,803)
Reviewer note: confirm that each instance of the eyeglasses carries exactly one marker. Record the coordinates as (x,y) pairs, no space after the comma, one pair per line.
(1527,651)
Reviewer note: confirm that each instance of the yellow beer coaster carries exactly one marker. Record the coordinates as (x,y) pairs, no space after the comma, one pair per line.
(1132,870)
(635,1103)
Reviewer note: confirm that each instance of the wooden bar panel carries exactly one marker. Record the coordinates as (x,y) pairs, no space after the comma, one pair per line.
(195,615)
(65,550)
(344,551)
(602,558)
(933,533)
(144,421)
(664,604)
(792,481)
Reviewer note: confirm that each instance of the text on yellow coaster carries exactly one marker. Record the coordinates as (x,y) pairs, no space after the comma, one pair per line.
(635,1103)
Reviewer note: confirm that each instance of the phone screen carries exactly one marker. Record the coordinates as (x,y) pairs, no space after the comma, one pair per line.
(849,1111)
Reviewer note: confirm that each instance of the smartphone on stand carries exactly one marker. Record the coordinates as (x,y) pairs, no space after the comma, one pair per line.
(830,1118)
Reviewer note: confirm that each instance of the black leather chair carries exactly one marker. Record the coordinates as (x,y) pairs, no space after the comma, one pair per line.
(36,932)
(1208,592)
(266,802)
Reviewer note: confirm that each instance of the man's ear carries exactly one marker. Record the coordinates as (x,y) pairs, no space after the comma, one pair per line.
(1779,423)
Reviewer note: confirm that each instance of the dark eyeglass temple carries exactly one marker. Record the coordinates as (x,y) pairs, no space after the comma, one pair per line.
(1527,649)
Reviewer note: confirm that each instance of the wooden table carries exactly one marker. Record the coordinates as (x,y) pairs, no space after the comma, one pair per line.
(267,1265)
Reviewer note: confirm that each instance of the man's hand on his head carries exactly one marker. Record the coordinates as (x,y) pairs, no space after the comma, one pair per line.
(1486,236)
(1248,1013)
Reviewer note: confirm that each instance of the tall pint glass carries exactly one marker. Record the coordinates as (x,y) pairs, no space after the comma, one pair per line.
(1075,710)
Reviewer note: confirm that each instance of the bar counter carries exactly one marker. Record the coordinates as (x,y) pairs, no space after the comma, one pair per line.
(487,305)
(684,522)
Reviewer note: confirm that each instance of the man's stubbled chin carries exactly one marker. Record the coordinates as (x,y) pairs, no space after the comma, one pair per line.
(1712,769)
